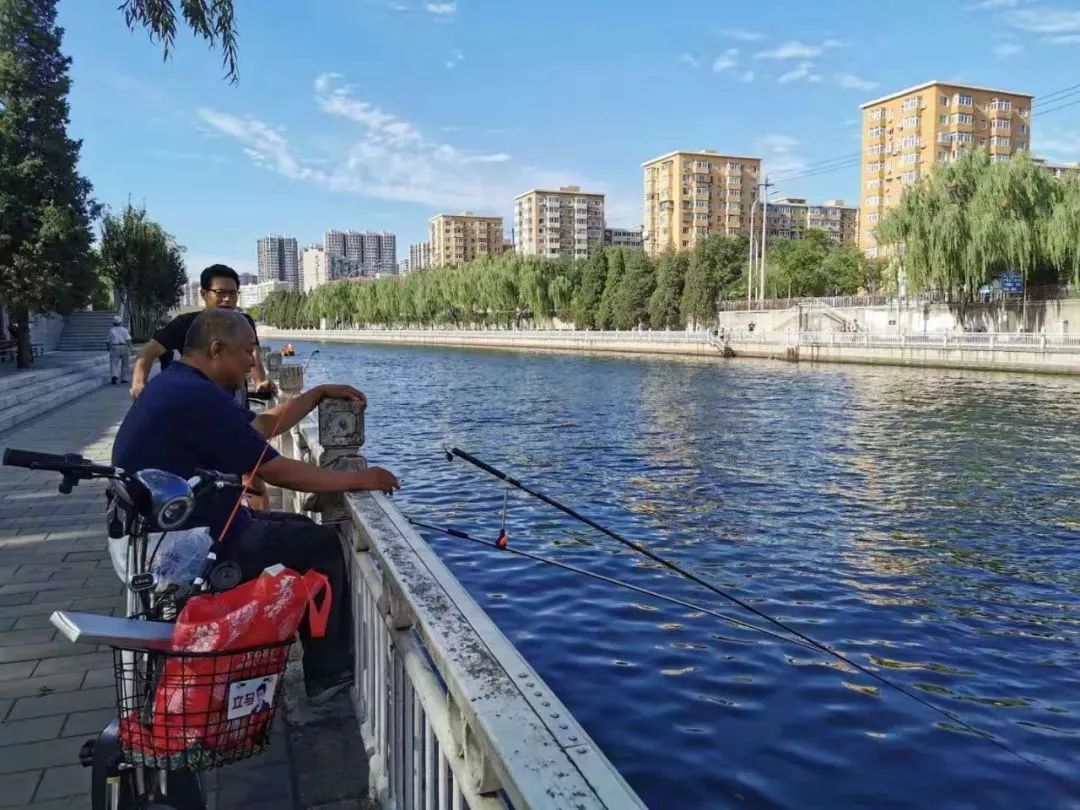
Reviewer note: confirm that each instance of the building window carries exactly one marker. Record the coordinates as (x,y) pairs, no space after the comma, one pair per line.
(878,114)
(911,104)
(998,104)
(910,177)
(876,132)
(999,141)
(964,101)
(962,118)
(1001,124)
(910,159)
(873,218)
(875,200)
(909,141)
(876,149)
(963,137)
(943,119)
(873,167)
(944,101)
(911,122)
(998,158)
(1021,146)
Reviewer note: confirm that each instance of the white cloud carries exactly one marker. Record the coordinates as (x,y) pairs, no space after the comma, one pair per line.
(725,61)
(388,158)
(747,77)
(1057,143)
(849,81)
(1004,50)
(1068,39)
(743,35)
(803,72)
(441,9)
(1046,20)
(689,59)
(455,57)
(779,152)
(791,50)
(994,5)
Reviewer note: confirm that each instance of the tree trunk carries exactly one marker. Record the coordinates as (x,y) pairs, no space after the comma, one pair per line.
(24,355)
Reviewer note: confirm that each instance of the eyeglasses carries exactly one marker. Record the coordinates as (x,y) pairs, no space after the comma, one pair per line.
(224,293)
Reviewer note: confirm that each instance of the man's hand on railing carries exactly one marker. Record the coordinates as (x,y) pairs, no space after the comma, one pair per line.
(346,392)
(375,479)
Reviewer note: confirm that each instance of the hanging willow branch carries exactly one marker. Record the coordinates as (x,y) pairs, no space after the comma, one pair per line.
(212,20)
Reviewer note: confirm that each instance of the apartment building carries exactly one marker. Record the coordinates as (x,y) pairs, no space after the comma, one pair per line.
(623,237)
(372,252)
(279,260)
(790,217)
(251,295)
(459,238)
(420,256)
(690,195)
(564,222)
(906,133)
(1058,170)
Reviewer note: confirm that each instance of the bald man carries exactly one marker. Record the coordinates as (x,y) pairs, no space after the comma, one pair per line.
(186,418)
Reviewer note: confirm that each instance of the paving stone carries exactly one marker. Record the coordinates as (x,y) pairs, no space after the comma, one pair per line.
(68,803)
(40,755)
(99,677)
(90,722)
(16,599)
(74,583)
(75,663)
(32,622)
(22,731)
(17,789)
(29,652)
(68,780)
(19,671)
(62,703)
(38,635)
(42,685)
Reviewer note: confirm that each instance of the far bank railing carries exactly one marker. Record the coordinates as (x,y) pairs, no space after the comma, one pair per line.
(1038,293)
(585,339)
(451,714)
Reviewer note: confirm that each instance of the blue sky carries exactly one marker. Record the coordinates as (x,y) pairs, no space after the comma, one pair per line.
(378,114)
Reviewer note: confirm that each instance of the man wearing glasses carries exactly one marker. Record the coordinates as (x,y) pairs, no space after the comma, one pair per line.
(220,288)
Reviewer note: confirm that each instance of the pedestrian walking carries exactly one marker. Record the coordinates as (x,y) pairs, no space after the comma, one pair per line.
(118,344)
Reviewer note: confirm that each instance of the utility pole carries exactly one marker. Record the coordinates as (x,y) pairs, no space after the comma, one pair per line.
(764,220)
(750,270)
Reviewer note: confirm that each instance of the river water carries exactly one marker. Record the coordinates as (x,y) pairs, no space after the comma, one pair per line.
(924,522)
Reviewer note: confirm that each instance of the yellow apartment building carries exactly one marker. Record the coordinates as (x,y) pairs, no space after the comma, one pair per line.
(566,222)
(460,238)
(689,195)
(906,133)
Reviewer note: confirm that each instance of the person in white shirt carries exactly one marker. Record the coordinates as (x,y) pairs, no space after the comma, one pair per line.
(118,344)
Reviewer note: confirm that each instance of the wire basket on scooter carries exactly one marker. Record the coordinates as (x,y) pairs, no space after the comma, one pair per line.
(197,711)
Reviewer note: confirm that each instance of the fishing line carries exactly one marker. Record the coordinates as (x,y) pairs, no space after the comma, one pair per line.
(453,452)
(610,580)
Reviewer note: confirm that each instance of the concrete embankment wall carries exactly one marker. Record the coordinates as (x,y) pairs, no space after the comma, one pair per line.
(499,340)
(979,360)
(1045,317)
(1037,361)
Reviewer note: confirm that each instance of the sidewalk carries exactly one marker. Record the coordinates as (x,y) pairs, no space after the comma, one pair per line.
(55,695)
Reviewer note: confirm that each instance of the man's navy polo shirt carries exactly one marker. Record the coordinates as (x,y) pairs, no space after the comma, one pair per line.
(183,421)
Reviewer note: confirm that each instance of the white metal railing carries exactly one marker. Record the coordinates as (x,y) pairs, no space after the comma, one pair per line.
(967,341)
(451,714)
(995,341)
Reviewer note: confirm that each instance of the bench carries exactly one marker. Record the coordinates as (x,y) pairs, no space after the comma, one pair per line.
(9,351)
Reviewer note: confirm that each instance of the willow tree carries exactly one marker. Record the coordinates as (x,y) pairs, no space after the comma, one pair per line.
(212,20)
(1063,230)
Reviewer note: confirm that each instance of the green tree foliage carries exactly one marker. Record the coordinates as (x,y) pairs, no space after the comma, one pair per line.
(605,313)
(971,220)
(630,304)
(213,20)
(144,265)
(586,301)
(665,300)
(45,205)
(715,268)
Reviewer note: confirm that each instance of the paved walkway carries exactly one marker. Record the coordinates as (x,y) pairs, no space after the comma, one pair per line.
(54,695)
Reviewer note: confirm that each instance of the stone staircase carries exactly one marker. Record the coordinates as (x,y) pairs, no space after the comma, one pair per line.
(85,331)
(55,380)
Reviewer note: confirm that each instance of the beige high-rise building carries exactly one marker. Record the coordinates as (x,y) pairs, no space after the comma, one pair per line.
(689,195)
(567,222)
(905,133)
(460,238)
(790,217)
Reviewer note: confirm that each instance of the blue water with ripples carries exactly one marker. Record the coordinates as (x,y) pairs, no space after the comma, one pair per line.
(924,522)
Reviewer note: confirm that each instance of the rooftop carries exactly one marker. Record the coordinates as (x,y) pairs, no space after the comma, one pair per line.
(563,190)
(934,82)
(703,152)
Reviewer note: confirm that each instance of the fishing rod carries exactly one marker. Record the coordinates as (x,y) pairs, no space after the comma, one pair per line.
(454,452)
(452,532)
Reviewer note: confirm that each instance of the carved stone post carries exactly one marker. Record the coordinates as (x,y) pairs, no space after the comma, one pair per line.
(291,378)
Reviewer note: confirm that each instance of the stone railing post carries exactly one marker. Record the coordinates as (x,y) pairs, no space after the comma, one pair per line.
(341,435)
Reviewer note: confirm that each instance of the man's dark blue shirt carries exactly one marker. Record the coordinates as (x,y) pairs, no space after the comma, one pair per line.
(183,421)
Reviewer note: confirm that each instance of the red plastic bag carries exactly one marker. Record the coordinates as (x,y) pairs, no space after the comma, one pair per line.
(191,699)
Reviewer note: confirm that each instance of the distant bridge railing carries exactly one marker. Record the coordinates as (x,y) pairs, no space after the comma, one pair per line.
(450,712)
